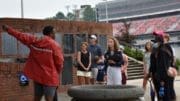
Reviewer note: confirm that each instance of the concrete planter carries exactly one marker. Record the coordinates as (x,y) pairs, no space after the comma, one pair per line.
(105,93)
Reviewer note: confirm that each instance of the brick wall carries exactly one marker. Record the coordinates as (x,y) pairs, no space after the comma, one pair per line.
(9,83)
(32,25)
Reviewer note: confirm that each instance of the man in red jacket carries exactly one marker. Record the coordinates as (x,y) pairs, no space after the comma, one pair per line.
(45,61)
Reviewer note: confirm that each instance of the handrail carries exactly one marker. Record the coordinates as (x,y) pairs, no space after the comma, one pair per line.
(140,62)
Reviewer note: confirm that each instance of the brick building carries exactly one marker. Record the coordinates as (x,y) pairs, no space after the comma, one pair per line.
(69,35)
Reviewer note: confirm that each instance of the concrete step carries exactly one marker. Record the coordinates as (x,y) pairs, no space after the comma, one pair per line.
(134,68)
(135,65)
(135,71)
(131,62)
(135,77)
(135,74)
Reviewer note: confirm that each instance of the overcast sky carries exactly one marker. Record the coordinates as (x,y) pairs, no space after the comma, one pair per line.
(40,8)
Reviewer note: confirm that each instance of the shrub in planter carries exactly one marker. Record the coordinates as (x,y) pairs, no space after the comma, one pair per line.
(137,54)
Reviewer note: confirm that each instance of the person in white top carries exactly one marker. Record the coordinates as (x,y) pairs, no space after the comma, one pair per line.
(146,61)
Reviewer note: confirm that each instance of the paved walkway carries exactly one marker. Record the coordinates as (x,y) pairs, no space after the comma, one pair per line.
(138,82)
(147,93)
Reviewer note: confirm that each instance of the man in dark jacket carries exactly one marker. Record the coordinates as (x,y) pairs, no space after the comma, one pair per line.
(161,60)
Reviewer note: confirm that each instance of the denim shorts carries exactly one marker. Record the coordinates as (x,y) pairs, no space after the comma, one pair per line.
(40,90)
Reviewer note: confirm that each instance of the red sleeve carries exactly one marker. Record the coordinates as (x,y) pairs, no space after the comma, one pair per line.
(58,59)
(26,39)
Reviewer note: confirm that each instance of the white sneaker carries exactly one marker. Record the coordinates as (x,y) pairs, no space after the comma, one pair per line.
(142,99)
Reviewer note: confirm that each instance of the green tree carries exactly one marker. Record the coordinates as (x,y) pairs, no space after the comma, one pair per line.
(89,14)
(125,37)
(70,16)
(59,15)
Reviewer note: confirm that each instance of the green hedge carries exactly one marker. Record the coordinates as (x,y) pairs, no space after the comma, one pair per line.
(178,64)
(137,54)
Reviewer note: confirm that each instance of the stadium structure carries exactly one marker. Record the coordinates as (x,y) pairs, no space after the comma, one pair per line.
(145,16)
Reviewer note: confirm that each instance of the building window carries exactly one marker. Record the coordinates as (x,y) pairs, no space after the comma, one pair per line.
(58,38)
(102,40)
(9,45)
(23,50)
(67,74)
(68,43)
(80,38)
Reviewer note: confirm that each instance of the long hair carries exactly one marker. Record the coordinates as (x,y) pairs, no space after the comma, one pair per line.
(146,48)
(116,43)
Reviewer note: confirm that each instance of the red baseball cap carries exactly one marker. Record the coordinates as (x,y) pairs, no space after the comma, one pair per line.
(159,36)
(158,33)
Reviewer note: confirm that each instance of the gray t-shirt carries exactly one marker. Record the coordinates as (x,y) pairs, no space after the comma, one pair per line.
(95,51)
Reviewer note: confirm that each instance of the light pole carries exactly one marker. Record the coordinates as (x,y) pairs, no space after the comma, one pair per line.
(67,7)
(75,11)
(22,9)
(106,7)
(96,13)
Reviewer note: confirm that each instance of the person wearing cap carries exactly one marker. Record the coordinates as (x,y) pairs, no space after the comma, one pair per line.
(96,53)
(160,61)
